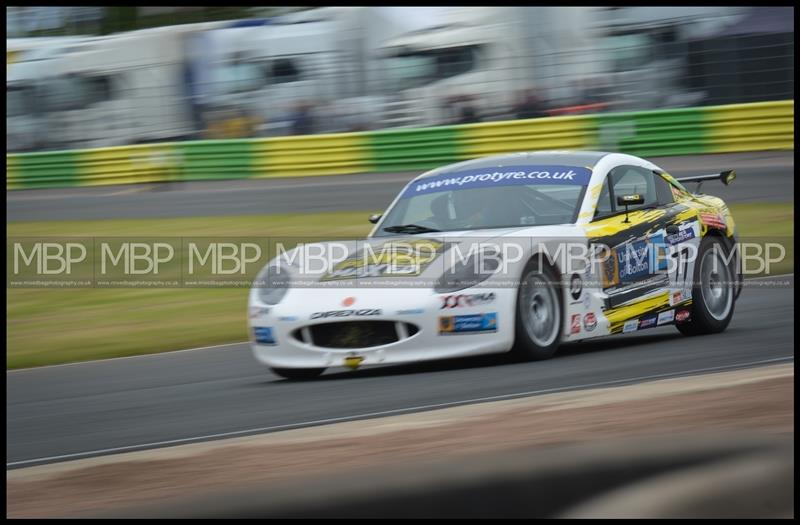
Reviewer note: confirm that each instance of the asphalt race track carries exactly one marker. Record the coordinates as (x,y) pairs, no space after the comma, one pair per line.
(72,411)
(761,177)
(102,407)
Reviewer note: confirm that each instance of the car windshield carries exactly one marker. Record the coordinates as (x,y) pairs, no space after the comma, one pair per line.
(506,197)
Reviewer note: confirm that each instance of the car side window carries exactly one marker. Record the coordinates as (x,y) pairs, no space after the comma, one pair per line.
(628,180)
(663,190)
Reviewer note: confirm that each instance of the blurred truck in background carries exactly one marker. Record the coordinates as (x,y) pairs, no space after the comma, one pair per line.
(101,91)
(630,58)
(488,55)
(319,60)
(173,83)
(26,62)
(646,55)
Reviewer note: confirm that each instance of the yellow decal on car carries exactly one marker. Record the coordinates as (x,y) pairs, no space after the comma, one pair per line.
(391,259)
(617,316)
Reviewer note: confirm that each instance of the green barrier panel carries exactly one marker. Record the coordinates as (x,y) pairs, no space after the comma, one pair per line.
(55,169)
(215,159)
(415,149)
(653,133)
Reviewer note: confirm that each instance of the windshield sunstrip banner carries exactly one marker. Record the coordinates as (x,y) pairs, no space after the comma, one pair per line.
(507,176)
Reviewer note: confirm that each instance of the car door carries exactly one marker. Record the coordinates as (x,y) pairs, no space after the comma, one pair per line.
(638,251)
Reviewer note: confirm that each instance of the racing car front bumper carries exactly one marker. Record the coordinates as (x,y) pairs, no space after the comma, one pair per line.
(282,335)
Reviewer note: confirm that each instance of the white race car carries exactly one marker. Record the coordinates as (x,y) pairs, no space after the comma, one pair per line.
(514,253)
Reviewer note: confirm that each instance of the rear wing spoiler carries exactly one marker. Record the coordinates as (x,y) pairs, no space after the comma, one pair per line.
(726,177)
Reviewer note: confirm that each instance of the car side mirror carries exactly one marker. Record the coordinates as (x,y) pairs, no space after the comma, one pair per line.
(629,200)
(375,218)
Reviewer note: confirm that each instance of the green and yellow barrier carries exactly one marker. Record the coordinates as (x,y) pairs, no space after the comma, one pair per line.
(749,127)
(685,131)
(334,154)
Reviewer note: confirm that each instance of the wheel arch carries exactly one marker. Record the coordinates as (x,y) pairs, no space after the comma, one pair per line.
(729,242)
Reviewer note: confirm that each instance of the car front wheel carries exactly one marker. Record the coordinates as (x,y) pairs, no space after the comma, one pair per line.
(539,314)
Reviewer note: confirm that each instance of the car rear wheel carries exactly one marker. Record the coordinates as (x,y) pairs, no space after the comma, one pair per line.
(298,374)
(539,314)
(713,291)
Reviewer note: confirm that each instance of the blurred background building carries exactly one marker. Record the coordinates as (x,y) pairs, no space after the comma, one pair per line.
(82,77)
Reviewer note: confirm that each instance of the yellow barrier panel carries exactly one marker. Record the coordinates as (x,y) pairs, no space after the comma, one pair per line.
(750,127)
(127,165)
(493,138)
(13,175)
(311,155)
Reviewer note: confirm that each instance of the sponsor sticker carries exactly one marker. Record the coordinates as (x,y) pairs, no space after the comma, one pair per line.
(415,311)
(352,361)
(647,322)
(348,301)
(634,261)
(586,302)
(681,236)
(659,252)
(713,219)
(501,176)
(682,315)
(257,311)
(288,318)
(676,298)
(575,286)
(610,271)
(630,326)
(263,335)
(467,300)
(575,325)
(666,317)
(347,313)
(455,324)
(589,322)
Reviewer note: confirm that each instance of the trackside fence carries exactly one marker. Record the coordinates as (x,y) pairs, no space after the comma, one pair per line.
(686,131)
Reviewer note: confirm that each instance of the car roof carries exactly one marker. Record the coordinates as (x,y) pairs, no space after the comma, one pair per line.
(587,159)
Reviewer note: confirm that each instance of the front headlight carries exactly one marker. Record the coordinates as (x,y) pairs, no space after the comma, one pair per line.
(272,283)
(470,272)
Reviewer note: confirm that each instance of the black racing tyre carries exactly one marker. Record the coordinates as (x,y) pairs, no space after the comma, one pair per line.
(298,374)
(539,314)
(713,290)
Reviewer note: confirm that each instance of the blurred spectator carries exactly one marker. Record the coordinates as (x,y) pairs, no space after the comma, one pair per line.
(232,124)
(195,107)
(302,119)
(468,115)
(529,105)
(591,92)
(461,109)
